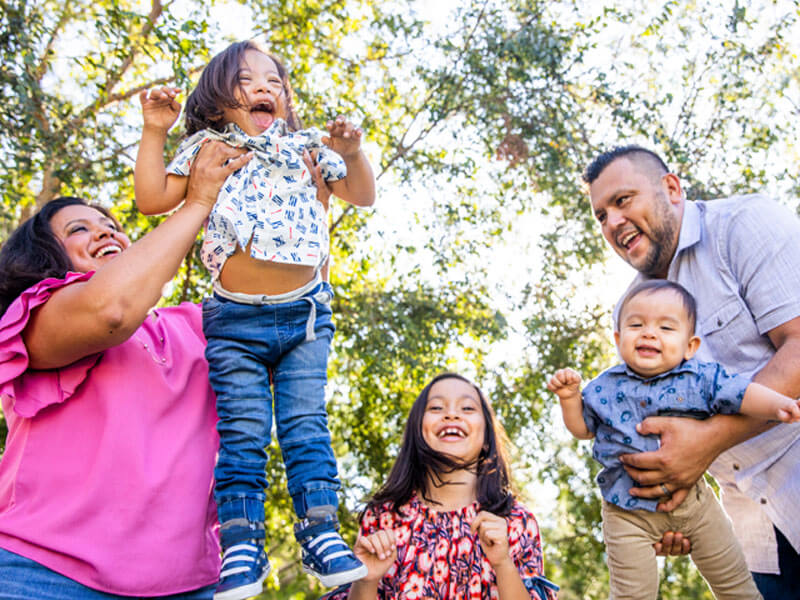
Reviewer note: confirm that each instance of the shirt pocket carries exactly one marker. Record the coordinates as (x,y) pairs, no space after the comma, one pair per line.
(724,330)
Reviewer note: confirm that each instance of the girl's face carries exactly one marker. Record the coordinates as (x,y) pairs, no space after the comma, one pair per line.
(89,237)
(260,94)
(453,422)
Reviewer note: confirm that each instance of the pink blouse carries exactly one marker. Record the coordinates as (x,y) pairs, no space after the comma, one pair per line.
(108,471)
(440,558)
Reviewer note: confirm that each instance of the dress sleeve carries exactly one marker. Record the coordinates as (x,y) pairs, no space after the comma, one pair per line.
(526,552)
(26,390)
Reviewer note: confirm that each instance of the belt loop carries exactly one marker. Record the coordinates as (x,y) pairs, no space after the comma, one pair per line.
(312,320)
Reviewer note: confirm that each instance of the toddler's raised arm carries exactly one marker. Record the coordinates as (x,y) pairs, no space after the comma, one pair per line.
(358,187)
(156,192)
(566,384)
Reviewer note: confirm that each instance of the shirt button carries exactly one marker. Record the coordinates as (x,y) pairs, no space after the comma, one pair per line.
(680,399)
(735,467)
(643,404)
(719,322)
(763,501)
(163,359)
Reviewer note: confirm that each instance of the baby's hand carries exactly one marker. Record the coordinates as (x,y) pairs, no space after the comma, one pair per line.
(160,110)
(790,412)
(565,383)
(344,138)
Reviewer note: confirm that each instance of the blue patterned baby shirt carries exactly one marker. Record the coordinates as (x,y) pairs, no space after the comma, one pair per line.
(271,200)
(618,399)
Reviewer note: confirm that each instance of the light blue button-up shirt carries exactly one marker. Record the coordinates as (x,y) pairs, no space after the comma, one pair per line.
(618,399)
(740,258)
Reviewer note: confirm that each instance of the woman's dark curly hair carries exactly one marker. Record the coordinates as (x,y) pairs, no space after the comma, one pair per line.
(417,460)
(217,87)
(33,253)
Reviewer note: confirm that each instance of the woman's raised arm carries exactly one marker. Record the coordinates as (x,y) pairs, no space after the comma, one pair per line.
(91,316)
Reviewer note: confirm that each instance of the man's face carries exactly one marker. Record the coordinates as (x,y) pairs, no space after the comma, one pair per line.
(639,214)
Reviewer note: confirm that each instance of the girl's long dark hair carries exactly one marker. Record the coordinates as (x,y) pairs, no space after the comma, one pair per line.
(33,253)
(216,89)
(417,460)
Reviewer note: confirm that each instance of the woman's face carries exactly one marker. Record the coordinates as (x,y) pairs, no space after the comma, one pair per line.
(453,422)
(90,238)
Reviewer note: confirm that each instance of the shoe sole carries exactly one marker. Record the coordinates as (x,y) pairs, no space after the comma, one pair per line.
(245,591)
(336,579)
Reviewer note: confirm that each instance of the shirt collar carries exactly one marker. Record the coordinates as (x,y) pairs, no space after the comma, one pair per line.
(687,366)
(690,227)
(262,141)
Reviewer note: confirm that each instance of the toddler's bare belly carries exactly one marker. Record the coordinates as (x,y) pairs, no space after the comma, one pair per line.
(246,275)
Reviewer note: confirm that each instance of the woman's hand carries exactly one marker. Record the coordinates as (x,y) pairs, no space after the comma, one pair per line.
(378,552)
(493,534)
(160,110)
(210,169)
(324,191)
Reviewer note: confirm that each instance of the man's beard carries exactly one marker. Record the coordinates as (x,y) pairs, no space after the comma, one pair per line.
(662,239)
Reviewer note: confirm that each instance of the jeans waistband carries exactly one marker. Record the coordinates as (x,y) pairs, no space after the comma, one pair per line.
(301,293)
(257,299)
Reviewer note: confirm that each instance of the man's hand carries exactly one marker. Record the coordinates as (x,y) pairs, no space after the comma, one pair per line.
(344,138)
(160,110)
(687,449)
(673,544)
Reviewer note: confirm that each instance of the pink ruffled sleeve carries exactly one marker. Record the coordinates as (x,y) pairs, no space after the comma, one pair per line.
(25,390)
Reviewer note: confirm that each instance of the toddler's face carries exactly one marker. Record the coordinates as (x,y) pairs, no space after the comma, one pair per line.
(654,334)
(260,92)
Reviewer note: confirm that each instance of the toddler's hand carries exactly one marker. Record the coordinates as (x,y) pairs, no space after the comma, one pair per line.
(343,137)
(160,110)
(790,412)
(565,383)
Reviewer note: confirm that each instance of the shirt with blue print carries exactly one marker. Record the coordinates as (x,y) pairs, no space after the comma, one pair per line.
(618,399)
(270,201)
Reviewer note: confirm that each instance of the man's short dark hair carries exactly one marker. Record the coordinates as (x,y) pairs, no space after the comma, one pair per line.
(654,285)
(632,152)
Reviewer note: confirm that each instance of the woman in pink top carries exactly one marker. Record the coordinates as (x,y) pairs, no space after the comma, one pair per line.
(105,484)
(445,525)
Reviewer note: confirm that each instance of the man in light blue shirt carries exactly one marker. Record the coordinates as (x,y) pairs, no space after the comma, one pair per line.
(740,258)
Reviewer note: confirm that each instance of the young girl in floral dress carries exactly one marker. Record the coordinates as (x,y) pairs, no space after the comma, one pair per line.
(446,525)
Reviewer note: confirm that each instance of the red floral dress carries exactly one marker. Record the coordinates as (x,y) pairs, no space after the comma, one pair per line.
(438,557)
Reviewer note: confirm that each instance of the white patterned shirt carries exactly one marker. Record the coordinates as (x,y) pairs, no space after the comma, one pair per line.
(271,200)
(740,258)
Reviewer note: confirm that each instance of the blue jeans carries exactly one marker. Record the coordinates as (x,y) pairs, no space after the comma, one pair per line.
(23,579)
(787,584)
(247,343)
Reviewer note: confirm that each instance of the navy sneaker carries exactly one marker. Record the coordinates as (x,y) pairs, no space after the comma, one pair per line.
(325,554)
(244,568)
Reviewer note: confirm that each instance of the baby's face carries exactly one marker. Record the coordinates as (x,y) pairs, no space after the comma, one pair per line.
(654,334)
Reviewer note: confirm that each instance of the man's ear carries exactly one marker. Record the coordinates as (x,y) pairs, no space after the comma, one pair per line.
(692,348)
(672,187)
